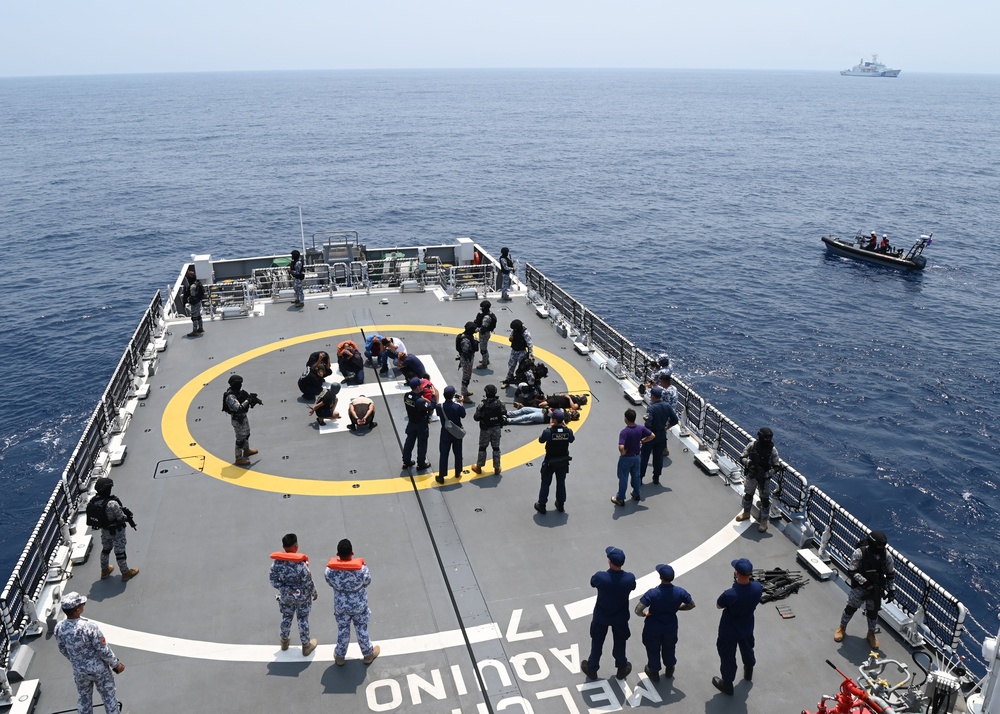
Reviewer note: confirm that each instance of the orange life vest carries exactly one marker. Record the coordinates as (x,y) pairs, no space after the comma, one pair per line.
(352,564)
(292,557)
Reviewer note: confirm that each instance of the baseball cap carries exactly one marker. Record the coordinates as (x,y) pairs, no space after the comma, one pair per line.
(666,572)
(742,566)
(560,415)
(415,382)
(71,601)
(449,391)
(615,555)
(656,391)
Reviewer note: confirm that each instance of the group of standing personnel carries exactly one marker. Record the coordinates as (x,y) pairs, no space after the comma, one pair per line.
(348,576)
(659,607)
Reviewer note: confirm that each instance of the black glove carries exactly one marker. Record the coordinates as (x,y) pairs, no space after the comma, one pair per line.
(890,594)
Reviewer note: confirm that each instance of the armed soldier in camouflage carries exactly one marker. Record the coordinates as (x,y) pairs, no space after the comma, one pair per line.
(81,642)
(107,513)
(237,402)
(296,591)
(349,578)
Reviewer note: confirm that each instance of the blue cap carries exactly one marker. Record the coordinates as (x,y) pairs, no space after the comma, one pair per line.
(656,391)
(615,555)
(449,391)
(71,601)
(666,572)
(415,382)
(743,566)
(558,415)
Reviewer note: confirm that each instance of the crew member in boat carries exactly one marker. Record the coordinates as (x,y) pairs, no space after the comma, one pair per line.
(884,246)
(872,241)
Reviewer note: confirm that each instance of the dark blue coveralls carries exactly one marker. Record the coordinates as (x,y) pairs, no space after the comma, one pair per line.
(449,444)
(659,634)
(658,417)
(556,463)
(736,627)
(418,410)
(611,610)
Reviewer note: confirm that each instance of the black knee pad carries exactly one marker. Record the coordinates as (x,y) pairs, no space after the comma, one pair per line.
(849,610)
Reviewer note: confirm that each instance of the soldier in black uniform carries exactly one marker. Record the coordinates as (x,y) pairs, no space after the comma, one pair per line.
(194,293)
(872,573)
(557,438)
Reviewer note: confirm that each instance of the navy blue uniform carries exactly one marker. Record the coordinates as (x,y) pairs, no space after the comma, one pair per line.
(658,417)
(449,444)
(659,633)
(611,610)
(418,411)
(556,463)
(736,627)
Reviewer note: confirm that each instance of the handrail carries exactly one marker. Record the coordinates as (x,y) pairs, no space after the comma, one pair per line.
(29,574)
(940,615)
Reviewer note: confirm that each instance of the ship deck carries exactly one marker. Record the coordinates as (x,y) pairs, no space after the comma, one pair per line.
(198,628)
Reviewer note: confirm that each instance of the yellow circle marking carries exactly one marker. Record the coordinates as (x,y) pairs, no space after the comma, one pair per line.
(179,438)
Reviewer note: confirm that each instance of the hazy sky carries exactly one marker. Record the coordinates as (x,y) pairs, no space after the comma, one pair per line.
(111,36)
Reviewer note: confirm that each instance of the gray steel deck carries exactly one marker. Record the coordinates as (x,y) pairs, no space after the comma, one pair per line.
(197,629)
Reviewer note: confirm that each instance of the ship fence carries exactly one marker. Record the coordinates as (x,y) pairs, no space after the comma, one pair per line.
(937,614)
(45,548)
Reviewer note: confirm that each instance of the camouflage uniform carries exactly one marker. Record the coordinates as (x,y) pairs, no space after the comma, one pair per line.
(114,537)
(491,415)
(466,357)
(82,643)
(295,595)
(241,425)
(349,580)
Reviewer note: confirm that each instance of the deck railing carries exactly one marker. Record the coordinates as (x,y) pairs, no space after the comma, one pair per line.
(939,616)
(39,554)
(934,612)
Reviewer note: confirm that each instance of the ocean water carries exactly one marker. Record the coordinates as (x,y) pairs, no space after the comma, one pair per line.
(684,206)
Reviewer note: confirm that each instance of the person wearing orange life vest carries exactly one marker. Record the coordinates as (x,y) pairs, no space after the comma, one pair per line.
(884,246)
(349,577)
(296,591)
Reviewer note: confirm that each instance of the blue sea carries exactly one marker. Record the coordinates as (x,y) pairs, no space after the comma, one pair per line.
(684,206)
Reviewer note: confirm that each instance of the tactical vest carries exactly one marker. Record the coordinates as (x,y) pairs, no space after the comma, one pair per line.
(517,342)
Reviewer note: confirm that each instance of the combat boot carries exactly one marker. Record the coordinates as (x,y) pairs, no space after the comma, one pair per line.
(129,574)
(872,639)
(284,643)
(249,452)
(371,658)
(838,636)
(743,516)
(762,526)
(476,469)
(242,461)
(722,685)
(308,647)
(105,572)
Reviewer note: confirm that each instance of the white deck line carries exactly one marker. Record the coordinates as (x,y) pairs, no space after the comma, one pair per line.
(224,652)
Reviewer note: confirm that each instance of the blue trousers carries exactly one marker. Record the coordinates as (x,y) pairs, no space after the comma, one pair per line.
(659,644)
(598,633)
(726,646)
(449,445)
(559,471)
(416,434)
(654,447)
(628,469)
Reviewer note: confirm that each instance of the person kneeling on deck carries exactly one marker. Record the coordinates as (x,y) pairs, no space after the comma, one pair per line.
(351,363)
(361,412)
(326,405)
(758,459)
(872,573)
